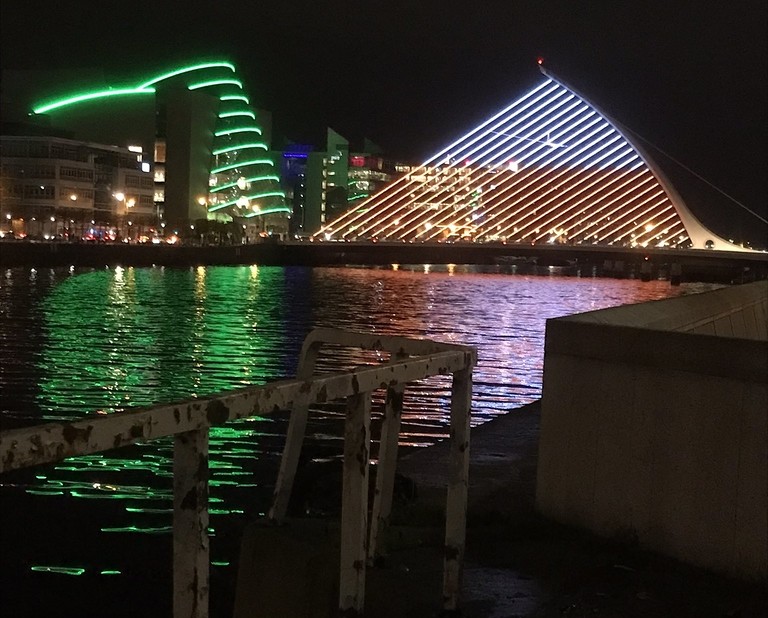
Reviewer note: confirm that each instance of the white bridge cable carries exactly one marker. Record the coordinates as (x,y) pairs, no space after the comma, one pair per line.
(690,171)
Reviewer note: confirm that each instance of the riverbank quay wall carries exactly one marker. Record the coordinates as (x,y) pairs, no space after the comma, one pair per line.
(655,426)
(693,264)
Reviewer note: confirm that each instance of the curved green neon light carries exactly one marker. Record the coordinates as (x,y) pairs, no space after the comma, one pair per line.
(195,67)
(255,196)
(91,95)
(240,147)
(144,88)
(229,185)
(232,166)
(235,97)
(237,130)
(240,113)
(216,82)
(233,112)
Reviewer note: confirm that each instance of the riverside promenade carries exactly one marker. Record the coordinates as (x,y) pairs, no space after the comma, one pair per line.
(519,563)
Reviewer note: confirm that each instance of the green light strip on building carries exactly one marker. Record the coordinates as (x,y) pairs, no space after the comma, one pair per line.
(229,185)
(188,69)
(235,97)
(216,82)
(240,113)
(255,196)
(232,166)
(240,147)
(91,95)
(237,130)
(214,71)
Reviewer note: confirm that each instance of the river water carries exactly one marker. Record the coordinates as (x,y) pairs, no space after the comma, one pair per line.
(102,340)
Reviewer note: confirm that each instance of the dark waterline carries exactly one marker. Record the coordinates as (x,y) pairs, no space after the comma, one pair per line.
(75,342)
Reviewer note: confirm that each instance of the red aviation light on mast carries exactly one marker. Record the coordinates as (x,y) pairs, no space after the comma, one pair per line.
(540,60)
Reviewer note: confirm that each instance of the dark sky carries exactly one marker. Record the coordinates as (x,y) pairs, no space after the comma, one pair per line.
(689,76)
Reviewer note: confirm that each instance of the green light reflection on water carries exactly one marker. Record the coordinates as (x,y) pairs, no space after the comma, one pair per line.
(126,337)
(58,569)
(145,530)
(133,509)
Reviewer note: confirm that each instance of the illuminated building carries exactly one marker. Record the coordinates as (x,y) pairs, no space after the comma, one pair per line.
(57,187)
(322,184)
(549,168)
(206,151)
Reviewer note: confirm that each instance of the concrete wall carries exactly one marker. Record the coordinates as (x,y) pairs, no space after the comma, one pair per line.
(739,311)
(662,434)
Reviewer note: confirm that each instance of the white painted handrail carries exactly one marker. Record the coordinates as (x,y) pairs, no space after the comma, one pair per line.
(189,423)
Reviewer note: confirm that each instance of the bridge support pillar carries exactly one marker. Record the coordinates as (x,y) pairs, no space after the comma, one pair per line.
(676,274)
(645,270)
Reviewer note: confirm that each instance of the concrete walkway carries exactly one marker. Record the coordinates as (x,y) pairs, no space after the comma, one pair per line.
(517,564)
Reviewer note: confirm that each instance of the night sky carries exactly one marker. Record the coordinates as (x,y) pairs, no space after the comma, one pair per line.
(690,77)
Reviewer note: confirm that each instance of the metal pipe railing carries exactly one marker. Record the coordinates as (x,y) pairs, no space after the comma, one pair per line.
(189,423)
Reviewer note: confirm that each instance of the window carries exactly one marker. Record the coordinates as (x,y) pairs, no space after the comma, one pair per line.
(28,171)
(76,173)
(67,151)
(160,151)
(39,192)
(66,193)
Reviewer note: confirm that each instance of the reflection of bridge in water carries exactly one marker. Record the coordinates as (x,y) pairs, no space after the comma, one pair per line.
(548,169)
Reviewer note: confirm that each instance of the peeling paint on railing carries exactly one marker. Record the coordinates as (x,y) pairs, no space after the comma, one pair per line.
(189,422)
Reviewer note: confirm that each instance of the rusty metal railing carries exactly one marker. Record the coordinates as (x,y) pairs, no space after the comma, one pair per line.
(189,423)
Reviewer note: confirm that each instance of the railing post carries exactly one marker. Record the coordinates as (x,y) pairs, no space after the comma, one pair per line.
(190,524)
(294,439)
(354,505)
(458,478)
(289,462)
(385,471)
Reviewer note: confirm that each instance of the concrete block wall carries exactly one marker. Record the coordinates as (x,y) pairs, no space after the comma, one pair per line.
(661,434)
(739,311)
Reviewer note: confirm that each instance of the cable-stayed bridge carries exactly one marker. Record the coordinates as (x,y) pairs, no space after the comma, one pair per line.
(550,168)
